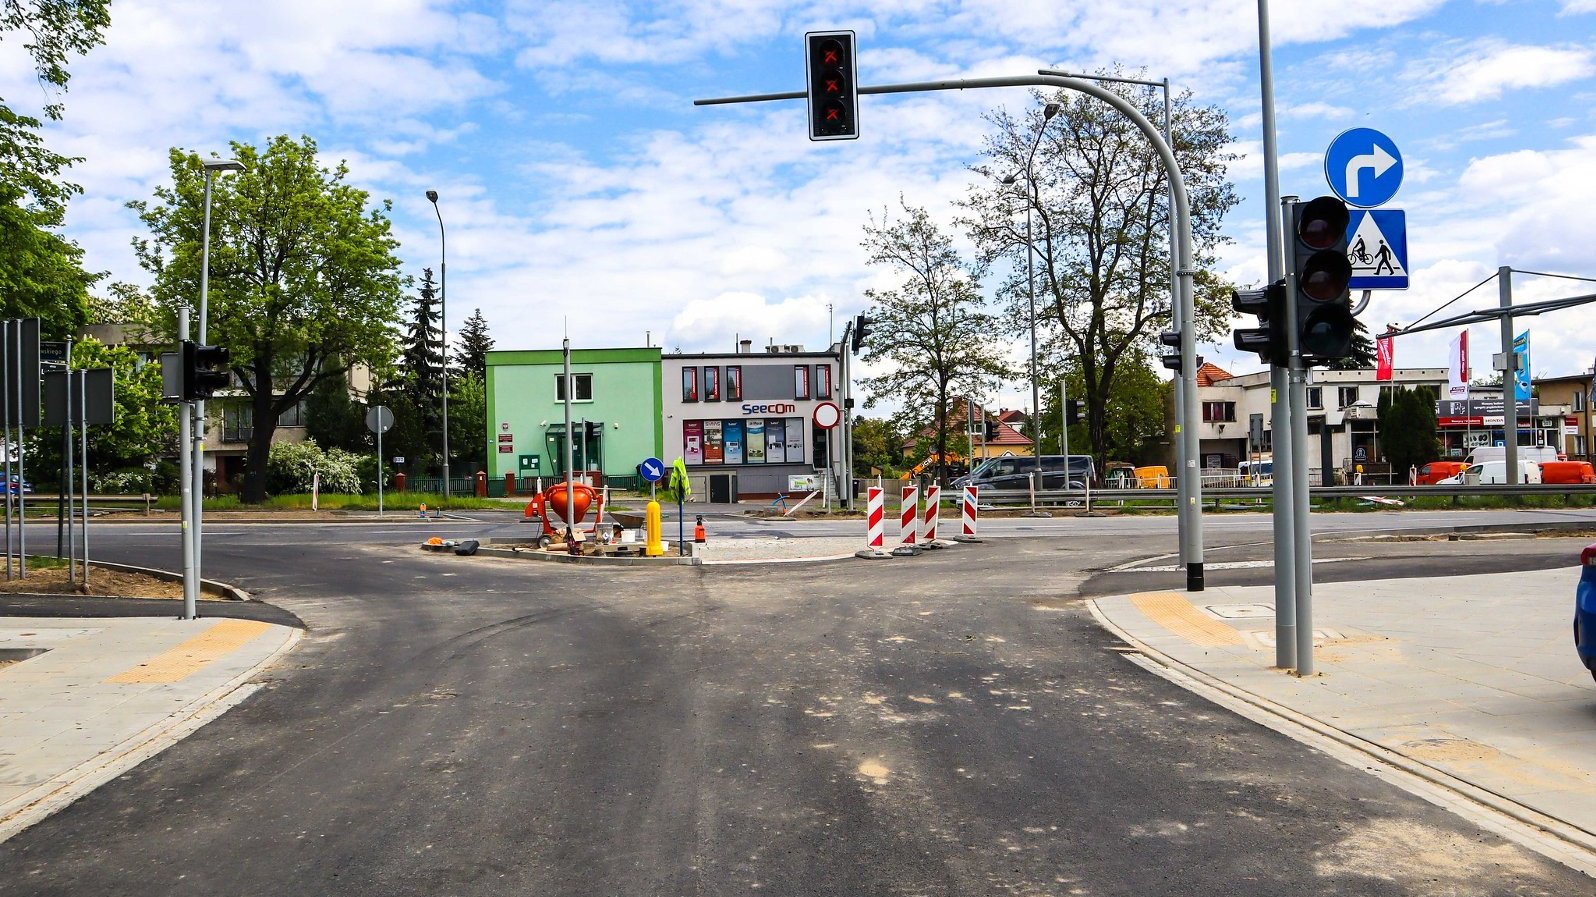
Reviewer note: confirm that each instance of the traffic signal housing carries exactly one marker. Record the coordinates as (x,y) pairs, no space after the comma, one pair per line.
(833,85)
(1170,354)
(1269,338)
(1321,275)
(204,370)
(861,329)
(1072,411)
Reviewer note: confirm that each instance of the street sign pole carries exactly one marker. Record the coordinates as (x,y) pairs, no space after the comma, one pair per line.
(1301,546)
(1504,281)
(185,427)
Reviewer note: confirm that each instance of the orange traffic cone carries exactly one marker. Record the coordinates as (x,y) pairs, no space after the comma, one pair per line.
(698,531)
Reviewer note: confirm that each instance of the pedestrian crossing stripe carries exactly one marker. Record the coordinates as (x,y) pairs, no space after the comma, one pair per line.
(1377,247)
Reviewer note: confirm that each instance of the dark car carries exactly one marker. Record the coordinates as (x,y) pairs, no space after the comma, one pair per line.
(1014,473)
(1585,609)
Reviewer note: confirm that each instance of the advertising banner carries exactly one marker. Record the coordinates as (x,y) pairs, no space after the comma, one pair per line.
(776,441)
(1385,357)
(734,441)
(712,384)
(693,441)
(756,441)
(795,440)
(713,451)
(1521,367)
(1457,368)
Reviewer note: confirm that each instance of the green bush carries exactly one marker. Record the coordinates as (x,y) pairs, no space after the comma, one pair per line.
(292,467)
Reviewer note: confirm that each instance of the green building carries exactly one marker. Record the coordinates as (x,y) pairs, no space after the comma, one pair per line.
(616,401)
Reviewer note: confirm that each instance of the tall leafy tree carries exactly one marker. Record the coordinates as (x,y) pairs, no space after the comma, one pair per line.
(474,344)
(335,420)
(41,273)
(876,444)
(468,420)
(420,375)
(932,336)
(1408,427)
(1099,201)
(304,281)
(1136,428)
(145,428)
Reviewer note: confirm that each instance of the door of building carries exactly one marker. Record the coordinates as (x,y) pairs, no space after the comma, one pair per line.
(720,488)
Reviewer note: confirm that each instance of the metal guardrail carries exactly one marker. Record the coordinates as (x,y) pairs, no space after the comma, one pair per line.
(1056,498)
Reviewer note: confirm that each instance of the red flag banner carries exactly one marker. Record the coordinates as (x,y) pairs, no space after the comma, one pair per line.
(1385,351)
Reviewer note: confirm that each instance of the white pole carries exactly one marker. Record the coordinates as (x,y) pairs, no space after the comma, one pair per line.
(83,459)
(379,463)
(185,424)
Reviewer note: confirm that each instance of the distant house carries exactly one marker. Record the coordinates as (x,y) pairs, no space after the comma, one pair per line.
(1004,425)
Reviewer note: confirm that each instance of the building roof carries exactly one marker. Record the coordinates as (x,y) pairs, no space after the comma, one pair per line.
(1007,434)
(1012,416)
(1211,373)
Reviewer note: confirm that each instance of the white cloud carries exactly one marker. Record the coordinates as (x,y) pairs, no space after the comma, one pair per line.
(1459,73)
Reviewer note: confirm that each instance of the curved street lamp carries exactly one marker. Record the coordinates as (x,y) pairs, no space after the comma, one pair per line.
(443,329)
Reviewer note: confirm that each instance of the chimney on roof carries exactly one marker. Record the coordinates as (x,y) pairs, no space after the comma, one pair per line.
(745,347)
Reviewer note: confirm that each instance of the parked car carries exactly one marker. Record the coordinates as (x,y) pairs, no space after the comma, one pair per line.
(1494,473)
(1585,609)
(1153,477)
(1540,453)
(1567,472)
(1438,471)
(1013,473)
(27,488)
(1256,473)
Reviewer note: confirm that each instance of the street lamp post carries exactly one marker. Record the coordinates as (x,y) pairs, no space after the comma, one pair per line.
(443,327)
(1048,111)
(197,489)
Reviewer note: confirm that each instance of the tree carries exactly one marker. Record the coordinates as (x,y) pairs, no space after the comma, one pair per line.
(475,344)
(420,378)
(876,444)
(335,420)
(145,429)
(468,420)
(1099,203)
(931,333)
(1408,427)
(304,282)
(1136,428)
(1363,354)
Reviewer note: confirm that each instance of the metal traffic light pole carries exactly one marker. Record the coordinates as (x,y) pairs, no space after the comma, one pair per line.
(185,426)
(1301,535)
(1279,386)
(1191,535)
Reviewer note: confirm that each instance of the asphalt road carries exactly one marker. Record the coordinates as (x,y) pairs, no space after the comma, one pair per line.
(954,726)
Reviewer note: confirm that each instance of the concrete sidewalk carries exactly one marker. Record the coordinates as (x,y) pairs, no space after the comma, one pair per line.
(1469,682)
(99,696)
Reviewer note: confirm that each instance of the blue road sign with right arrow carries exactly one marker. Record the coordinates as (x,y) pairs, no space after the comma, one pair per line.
(1377,247)
(652,469)
(1363,167)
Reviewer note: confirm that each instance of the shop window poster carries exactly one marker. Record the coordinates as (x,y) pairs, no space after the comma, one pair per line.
(734,383)
(714,452)
(756,441)
(734,441)
(795,440)
(693,441)
(776,441)
(712,384)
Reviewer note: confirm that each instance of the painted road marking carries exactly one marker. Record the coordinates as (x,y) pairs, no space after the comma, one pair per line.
(191,656)
(1181,617)
(1225,565)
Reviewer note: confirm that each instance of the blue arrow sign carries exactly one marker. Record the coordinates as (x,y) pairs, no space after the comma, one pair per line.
(653,470)
(1377,247)
(1363,167)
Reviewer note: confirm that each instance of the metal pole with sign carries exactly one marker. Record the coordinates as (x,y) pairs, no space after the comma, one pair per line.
(5,379)
(379,420)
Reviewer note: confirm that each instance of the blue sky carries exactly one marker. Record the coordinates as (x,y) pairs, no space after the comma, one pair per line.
(578,181)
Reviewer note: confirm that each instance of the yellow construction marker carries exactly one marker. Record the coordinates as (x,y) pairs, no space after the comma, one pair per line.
(1175,613)
(192,655)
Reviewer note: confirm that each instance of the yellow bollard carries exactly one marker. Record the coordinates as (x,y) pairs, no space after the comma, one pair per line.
(654,547)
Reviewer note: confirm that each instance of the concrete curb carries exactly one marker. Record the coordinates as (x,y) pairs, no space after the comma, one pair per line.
(1554,838)
(60,792)
(594,560)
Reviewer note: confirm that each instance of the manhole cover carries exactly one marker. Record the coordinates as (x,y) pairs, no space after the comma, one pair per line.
(1240,611)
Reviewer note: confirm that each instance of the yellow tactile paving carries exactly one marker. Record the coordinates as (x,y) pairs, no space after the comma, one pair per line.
(1179,616)
(192,655)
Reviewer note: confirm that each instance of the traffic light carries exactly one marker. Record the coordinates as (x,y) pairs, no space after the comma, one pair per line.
(1268,339)
(1170,354)
(833,88)
(1072,411)
(861,329)
(204,370)
(991,429)
(1319,262)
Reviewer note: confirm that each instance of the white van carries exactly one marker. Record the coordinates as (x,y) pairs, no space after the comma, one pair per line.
(1493,473)
(1536,453)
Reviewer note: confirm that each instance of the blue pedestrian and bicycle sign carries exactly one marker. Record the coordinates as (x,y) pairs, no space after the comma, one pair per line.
(1363,167)
(1377,247)
(652,469)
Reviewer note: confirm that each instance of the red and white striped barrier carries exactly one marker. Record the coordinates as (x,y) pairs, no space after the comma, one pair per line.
(876,515)
(933,514)
(971,514)
(910,517)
